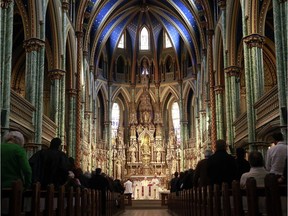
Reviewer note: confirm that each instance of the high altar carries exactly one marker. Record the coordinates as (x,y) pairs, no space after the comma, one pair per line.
(148,152)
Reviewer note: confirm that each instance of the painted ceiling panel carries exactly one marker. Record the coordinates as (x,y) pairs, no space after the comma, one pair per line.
(175,16)
(173,34)
(116,34)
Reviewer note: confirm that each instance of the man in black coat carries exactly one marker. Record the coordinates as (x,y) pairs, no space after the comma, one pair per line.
(221,165)
(100,182)
(50,166)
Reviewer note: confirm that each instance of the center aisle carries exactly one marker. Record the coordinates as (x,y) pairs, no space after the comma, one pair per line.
(146,208)
(148,212)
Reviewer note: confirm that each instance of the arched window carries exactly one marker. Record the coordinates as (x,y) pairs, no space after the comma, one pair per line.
(115,119)
(121,42)
(168,43)
(144,39)
(176,120)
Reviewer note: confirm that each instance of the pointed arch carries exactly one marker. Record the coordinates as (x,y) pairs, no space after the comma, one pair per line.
(144,38)
(124,92)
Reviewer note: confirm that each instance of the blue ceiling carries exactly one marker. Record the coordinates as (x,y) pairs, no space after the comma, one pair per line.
(113,17)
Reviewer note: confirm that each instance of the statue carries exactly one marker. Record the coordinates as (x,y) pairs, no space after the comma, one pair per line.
(118,166)
(133,157)
(172,138)
(145,145)
(158,157)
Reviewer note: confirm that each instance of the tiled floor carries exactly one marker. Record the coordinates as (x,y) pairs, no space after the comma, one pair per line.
(144,212)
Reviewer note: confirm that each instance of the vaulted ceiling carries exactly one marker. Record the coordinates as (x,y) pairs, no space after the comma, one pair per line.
(183,20)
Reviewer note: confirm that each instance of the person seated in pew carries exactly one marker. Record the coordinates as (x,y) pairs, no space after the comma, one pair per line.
(276,155)
(51,166)
(242,164)
(14,161)
(257,170)
(201,178)
(221,166)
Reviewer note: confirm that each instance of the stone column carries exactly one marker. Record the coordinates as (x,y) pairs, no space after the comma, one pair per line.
(219,112)
(34,80)
(55,76)
(109,128)
(232,93)
(6,32)
(280,17)
(210,34)
(79,99)
(88,129)
(71,135)
(182,124)
(254,79)
(255,43)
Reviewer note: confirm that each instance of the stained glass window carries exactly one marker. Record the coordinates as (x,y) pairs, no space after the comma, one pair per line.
(176,120)
(168,43)
(115,119)
(144,39)
(121,42)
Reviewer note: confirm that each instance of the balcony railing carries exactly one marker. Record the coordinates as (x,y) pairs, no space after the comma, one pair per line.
(21,112)
(267,107)
(266,110)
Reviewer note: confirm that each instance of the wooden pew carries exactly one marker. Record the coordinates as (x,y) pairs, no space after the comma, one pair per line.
(271,200)
(13,196)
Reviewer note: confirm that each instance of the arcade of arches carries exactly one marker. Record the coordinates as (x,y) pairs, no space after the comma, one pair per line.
(143,87)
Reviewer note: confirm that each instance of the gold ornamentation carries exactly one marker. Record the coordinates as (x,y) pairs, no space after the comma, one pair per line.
(56,74)
(254,40)
(33,44)
(221,4)
(72,92)
(232,71)
(4,4)
(65,6)
(219,89)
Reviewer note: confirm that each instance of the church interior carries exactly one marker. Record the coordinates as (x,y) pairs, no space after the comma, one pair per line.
(143,87)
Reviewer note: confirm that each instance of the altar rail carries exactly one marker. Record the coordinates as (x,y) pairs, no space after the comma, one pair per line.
(269,200)
(36,202)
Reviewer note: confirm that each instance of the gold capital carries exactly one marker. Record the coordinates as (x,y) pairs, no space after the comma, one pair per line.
(232,71)
(4,4)
(33,44)
(56,74)
(254,40)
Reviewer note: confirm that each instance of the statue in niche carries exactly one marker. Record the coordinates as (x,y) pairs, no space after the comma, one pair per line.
(133,131)
(158,130)
(158,156)
(172,138)
(118,169)
(145,70)
(145,145)
(133,157)
(146,117)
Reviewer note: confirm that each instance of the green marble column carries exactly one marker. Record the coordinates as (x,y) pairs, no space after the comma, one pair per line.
(280,17)
(254,78)
(34,81)
(212,107)
(182,131)
(6,32)
(219,112)
(71,135)
(232,100)
(109,128)
(56,96)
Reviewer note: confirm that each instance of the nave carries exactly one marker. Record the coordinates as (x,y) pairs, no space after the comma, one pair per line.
(145,212)
(146,208)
